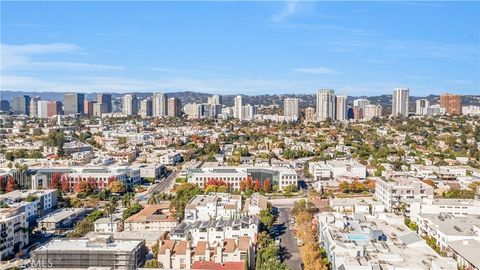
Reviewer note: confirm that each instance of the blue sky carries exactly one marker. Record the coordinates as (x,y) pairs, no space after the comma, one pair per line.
(356,48)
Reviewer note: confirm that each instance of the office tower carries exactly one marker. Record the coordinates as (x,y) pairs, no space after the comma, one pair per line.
(130,104)
(174,107)
(357,113)
(42,109)
(21,105)
(290,107)
(361,103)
(146,108)
(248,112)
(34,106)
(325,104)
(421,106)
(215,100)
(105,99)
(400,100)
(99,109)
(54,108)
(88,107)
(372,111)
(4,106)
(73,103)
(159,105)
(310,114)
(452,103)
(237,108)
(341,108)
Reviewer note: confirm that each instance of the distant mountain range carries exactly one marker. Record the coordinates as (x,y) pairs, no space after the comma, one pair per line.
(306,100)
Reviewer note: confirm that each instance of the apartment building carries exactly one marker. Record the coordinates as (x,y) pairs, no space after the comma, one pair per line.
(101,251)
(61,219)
(381,241)
(13,232)
(455,207)
(279,176)
(391,192)
(215,231)
(181,255)
(108,225)
(152,218)
(213,206)
(335,169)
(255,204)
(35,203)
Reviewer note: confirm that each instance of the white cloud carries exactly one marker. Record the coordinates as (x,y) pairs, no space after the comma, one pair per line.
(316,70)
(288,10)
(22,57)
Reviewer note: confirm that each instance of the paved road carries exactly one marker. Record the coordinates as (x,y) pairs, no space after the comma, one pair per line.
(164,185)
(289,249)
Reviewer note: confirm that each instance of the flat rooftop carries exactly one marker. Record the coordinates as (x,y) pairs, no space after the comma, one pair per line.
(89,245)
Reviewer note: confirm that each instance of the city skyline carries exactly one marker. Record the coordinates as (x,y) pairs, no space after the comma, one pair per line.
(281,47)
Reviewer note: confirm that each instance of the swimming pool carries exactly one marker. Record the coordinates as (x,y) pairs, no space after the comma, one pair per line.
(357,237)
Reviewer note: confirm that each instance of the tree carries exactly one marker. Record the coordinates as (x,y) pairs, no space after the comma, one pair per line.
(153,263)
(267,218)
(242,186)
(81,186)
(55,183)
(11,184)
(132,210)
(95,215)
(267,186)
(65,184)
(249,184)
(116,187)
(82,228)
(256,186)
(3,184)
(184,193)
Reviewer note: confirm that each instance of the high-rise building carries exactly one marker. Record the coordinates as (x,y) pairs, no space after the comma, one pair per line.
(215,100)
(73,103)
(4,106)
(193,110)
(400,101)
(372,111)
(130,104)
(436,110)
(146,108)
(325,104)
(34,106)
(237,108)
(290,107)
(106,99)
(421,106)
(159,105)
(248,112)
(341,108)
(99,109)
(21,105)
(88,107)
(357,113)
(361,103)
(42,109)
(174,107)
(452,103)
(310,115)
(54,108)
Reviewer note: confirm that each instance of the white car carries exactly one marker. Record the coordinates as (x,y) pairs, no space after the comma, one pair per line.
(278,240)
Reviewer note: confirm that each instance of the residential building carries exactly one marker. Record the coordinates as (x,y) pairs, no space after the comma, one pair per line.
(102,251)
(310,115)
(215,100)
(73,103)
(421,106)
(337,169)
(159,105)
(471,110)
(4,106)
(54,108)
(290,107)
(42,109)
(35,203)
(436,109)
(452,103)
(130,104)
(174,107)
(357,113)
(13,233)
(341,108)
(325,104)
(213,206)
(108,224)
(455,207)
(372,111)
(146,108)
(61,219)
(34,106)
(152,218)
(361,103)
(248,112)
(103,98)
(466,253)
(392,191)
(400,101)
(255,204)
(88,107)
(237,109)
(99,109)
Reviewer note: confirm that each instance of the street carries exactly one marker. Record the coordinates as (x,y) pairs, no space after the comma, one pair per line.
(164,185)
(289,250)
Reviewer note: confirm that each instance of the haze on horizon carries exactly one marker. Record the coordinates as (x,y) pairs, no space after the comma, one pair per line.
(356,48)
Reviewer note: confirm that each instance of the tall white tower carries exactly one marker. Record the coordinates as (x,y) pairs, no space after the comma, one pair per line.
(237,110)
(421,106)
(400,99)
(341,108)
(290,107)
(130,105)
(159,105)
(325,104)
